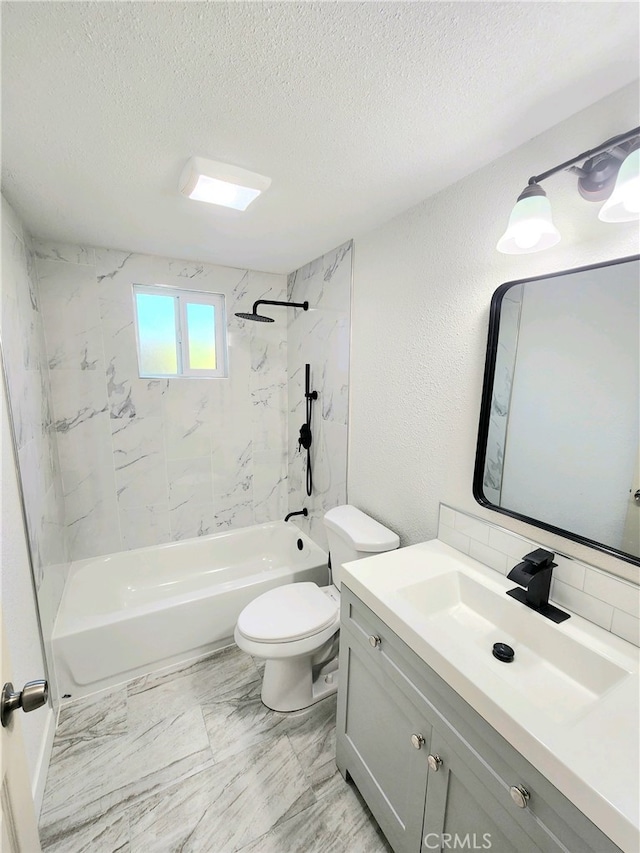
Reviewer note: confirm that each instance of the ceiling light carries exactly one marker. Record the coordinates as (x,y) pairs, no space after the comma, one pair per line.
(221,183)
(530,227)
(624,203)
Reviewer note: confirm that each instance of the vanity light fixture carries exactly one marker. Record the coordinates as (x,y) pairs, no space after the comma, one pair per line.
(221,183)
(623,205)
(614,162)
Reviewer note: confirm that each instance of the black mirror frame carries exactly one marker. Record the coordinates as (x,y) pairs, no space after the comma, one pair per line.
(485,411)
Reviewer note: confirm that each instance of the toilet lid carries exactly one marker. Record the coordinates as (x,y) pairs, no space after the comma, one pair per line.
(287,613)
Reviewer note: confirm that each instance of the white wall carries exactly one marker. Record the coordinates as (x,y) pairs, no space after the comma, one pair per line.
(422,288)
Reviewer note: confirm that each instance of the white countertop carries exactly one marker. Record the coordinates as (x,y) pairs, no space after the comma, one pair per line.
(592,756)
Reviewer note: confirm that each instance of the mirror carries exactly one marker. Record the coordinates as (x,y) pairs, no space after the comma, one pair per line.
(558,443)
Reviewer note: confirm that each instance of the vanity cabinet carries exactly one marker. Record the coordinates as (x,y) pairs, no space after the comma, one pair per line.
(429,767)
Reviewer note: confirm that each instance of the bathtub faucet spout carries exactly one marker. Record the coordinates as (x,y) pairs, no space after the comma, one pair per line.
(304,512)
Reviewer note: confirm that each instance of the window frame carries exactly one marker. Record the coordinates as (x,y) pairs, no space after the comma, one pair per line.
(184,297)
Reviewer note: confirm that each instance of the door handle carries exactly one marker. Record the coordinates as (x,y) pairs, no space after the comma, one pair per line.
(33,695)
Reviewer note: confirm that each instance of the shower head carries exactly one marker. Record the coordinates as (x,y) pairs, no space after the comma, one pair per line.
(260,318)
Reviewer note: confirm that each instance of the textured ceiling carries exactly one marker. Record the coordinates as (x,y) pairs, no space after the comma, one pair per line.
(355,110)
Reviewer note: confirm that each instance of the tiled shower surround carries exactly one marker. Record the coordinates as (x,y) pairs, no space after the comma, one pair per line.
(320,337)
(149,461)
(25,360)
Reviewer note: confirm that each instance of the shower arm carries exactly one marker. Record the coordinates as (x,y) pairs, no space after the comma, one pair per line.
(303,305)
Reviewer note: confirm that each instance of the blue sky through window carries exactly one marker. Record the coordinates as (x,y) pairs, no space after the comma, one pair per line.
(157,334)
(201,325)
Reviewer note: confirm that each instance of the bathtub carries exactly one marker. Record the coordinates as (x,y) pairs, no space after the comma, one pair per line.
(134,612)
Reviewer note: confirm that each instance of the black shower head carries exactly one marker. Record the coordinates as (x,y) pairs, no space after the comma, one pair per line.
(260,318)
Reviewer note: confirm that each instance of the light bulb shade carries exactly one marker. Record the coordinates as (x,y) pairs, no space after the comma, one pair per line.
(623,205)
(530,227)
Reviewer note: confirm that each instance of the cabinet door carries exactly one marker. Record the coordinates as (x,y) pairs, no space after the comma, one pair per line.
(375,728)
(459,805)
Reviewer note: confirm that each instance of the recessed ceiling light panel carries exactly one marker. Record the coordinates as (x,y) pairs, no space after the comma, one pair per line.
(221,183)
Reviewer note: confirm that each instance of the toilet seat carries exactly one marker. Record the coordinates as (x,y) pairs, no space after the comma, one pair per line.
(288,613)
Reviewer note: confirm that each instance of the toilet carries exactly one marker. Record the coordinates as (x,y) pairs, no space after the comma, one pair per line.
(295,627)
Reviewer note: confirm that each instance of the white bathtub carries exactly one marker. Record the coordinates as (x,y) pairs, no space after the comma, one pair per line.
(131,613)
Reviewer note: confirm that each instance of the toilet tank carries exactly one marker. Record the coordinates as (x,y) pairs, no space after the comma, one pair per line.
(352,534)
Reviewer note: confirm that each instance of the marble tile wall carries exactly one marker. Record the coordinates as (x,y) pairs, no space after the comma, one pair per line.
(24,354)
(320,337)
(610,602)
(150,461)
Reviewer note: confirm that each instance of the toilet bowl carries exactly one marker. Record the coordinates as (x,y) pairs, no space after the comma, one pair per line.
(295,627)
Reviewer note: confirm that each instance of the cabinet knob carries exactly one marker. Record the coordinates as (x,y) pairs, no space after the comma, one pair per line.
(417,741)
(374,641)
(434,762)
(519,795)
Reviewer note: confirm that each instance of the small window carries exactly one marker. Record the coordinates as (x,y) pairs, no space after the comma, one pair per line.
(179,332)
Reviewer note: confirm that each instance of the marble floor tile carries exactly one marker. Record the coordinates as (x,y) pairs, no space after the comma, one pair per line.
(226,807)
(86,778)
(106,834)
(189,759)
(154,696)
(312,734)
(239,720)
(96,716)
(341,823)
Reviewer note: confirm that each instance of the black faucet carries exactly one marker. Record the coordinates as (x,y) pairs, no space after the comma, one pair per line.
(304,512)
(534,574)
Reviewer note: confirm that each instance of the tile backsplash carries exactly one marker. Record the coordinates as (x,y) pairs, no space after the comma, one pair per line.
(607,601)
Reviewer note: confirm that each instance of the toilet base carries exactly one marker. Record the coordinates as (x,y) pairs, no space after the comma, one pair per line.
(288,684)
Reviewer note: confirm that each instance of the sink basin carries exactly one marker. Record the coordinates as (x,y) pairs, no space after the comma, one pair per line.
(551,670)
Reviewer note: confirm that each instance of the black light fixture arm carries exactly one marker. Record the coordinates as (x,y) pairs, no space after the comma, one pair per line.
(303,305)
(609,146)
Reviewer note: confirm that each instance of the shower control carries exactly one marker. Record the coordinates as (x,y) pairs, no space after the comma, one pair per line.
(33,695)
(305,437)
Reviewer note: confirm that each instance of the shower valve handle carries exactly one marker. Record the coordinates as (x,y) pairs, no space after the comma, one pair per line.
(305,437)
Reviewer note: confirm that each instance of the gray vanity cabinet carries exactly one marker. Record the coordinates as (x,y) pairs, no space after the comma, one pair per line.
(459,804)
(379,722)
(429,766)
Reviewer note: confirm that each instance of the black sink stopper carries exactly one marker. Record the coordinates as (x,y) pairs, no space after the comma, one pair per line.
(503,652)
